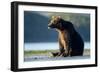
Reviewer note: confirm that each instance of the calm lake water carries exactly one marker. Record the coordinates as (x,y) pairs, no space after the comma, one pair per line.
(47,46)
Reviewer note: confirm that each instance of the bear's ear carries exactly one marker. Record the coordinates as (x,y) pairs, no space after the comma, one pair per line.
(59,17)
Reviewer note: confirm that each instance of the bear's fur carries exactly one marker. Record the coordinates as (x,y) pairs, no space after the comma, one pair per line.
(70,42)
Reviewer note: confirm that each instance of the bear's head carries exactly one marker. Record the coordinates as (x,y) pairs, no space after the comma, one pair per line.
(60,24)
(55,22)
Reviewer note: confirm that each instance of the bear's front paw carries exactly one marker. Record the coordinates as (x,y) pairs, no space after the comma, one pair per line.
(55,54)
(64,54)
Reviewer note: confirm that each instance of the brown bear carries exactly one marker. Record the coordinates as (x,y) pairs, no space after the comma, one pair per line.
(70,42)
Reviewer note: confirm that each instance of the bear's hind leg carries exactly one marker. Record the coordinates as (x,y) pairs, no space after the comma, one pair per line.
(77,53)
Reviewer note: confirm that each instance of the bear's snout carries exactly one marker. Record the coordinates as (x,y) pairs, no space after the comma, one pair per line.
(51,26)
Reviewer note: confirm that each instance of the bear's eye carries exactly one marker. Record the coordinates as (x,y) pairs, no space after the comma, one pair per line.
(55,22)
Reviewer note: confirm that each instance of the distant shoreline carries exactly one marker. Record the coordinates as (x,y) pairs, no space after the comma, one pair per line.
(47,52)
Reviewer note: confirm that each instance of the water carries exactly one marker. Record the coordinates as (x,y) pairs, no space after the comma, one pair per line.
(47,46)
(46,58)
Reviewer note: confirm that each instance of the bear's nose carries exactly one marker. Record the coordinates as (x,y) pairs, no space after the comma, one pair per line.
(48,27)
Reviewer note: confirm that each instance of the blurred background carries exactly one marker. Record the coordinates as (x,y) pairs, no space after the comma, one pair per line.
(37,36)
